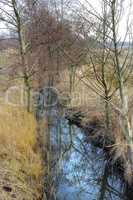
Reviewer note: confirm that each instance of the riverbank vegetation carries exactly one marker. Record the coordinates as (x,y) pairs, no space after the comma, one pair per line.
(87,57)
(20,161)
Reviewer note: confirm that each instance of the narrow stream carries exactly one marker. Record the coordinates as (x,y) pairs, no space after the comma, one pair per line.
(83,171)
(80,171)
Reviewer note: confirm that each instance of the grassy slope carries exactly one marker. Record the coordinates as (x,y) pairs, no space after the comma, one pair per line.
(20,159)
(20,163)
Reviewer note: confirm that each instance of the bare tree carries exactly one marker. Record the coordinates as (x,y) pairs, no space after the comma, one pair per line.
(112,61)
(110,57)
(13,15)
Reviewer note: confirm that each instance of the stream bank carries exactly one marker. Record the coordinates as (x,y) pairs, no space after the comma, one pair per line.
(79,162)
(95,133)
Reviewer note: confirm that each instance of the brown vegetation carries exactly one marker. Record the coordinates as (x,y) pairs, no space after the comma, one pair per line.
(20,162)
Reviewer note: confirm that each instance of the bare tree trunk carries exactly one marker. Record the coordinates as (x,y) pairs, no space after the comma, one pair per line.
(103,67)
(22,54)
(125,121)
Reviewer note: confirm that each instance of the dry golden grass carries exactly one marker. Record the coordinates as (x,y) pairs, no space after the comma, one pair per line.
(18,157)
(20,160)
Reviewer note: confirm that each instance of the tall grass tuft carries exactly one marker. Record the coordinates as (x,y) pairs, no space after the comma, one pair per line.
(18,152)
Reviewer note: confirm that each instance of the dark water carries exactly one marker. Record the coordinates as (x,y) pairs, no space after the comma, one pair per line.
(80,171)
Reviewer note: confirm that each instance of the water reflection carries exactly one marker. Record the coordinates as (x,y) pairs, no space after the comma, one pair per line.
(80,170)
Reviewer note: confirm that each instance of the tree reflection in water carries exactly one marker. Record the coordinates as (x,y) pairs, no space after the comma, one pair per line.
(80,170)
